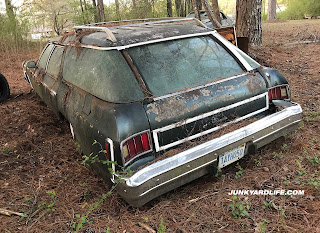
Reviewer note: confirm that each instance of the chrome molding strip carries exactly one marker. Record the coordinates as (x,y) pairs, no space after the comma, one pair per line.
(156,131)
(113,166)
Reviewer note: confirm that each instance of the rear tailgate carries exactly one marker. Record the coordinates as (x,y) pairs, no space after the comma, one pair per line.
(190,114)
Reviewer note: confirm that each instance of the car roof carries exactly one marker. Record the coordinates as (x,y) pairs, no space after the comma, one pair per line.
(131,33)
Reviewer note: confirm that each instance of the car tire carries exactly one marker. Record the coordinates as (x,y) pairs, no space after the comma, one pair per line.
(4,89)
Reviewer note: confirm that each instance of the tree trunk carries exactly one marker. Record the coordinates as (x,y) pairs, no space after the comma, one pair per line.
(100,8)
(272,9)
(243,11)
(96,17)
(199,4)
(180,8)
(117,10)
(134,4)
(207,7)
(188,6)
(169,8)
(216,11)
(196,9)
(255,26)
(9,10)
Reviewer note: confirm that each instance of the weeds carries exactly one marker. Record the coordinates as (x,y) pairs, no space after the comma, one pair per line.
(258,162)
(314,160)
(239,172)
(239,208)
(263,226)
(162,228)
(49,207)
(5,150)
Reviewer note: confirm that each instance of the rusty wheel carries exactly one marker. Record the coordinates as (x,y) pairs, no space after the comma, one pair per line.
(4,89)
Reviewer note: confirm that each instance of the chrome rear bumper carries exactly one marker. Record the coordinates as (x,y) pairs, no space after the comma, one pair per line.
(170,173)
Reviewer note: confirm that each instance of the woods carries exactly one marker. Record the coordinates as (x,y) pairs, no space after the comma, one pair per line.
(18,23)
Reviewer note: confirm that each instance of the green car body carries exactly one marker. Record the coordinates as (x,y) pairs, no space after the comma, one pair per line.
(141,90)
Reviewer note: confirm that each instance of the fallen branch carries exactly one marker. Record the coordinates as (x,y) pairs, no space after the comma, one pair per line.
(302,42)
(145,226)
(9,213)
(199,198)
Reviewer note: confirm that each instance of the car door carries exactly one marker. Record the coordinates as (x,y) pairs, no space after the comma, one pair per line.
(51,78)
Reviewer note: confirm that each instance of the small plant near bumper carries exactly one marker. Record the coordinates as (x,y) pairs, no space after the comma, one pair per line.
(239,172)
(239,208)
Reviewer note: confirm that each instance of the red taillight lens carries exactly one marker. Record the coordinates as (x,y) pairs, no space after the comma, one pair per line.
(135,146)
(107,151)
(280,92)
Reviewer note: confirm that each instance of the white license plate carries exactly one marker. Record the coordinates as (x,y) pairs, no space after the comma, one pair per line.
(231,156)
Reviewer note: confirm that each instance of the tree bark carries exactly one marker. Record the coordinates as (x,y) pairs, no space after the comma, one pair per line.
(213,20)
(199,4)
(9,10)
(169,8)
(96,17)
(180,8)
(117,10)
(100,8)
(272,9)
(196,9)
(255,26)
(243,11)
(216,11)
(134,4)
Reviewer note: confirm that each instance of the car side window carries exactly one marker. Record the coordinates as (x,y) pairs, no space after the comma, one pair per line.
(55,61)
(44,57)
(104,74)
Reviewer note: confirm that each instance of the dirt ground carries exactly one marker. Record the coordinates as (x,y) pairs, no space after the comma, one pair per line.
(42,176)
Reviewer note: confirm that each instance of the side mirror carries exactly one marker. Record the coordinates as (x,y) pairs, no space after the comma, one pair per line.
(31,64)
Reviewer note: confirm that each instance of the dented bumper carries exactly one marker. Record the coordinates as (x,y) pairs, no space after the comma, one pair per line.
(170,173)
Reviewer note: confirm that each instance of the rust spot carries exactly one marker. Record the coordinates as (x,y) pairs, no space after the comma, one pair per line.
(193,93)
(39,75)
(253,84)
(169,109)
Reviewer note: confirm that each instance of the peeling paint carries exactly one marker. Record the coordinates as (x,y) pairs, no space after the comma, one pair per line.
(166,110)
(205,92)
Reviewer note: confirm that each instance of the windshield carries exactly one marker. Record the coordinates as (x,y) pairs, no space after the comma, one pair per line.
(171,66)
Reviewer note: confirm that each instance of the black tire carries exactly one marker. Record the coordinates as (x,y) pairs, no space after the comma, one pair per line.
(4,89)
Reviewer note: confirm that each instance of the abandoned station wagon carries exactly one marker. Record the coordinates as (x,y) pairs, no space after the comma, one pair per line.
(170,100)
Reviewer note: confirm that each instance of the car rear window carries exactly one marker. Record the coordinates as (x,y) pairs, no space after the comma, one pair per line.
(171,66)
(44,57)
(104,74)
(55,61)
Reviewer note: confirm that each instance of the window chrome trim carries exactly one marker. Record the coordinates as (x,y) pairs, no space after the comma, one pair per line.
(231,48)
(168,127)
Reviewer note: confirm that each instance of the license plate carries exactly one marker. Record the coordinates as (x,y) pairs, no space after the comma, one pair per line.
(231,156)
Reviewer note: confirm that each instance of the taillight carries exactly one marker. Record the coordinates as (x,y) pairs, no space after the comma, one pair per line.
(279,92)
(107,151)
(135,146)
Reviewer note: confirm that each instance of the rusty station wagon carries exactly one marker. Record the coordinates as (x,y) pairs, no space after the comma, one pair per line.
(146,90)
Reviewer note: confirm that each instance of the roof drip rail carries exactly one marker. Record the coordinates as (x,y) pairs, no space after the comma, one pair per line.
(109,33)
(136,20)
(146,22)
